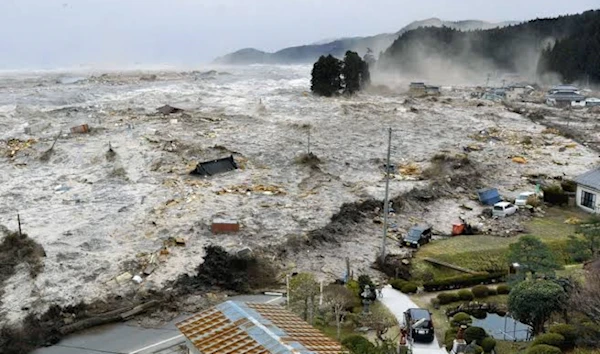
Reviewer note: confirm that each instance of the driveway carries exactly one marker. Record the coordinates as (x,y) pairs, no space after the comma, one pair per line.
(397,303)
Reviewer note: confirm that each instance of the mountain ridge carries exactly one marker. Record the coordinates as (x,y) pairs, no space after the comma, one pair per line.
(308,53)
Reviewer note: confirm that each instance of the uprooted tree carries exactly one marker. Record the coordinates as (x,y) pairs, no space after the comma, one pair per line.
(330,75)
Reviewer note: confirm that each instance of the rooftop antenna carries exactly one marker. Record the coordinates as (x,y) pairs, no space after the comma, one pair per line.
(386,205)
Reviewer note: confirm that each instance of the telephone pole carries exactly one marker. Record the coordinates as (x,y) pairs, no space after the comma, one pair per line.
(386,205)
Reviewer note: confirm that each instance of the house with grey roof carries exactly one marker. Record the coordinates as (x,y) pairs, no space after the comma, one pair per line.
(565,99)
(588,191)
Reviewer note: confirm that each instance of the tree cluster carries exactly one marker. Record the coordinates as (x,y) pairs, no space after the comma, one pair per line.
(330,76)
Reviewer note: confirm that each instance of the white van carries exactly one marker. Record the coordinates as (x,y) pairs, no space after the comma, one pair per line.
(503,209)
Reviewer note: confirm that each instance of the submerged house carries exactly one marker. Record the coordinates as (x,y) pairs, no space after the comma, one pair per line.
(239,327)
(565,99)
(420,89)
(564,88)
(588,191)
(210,168)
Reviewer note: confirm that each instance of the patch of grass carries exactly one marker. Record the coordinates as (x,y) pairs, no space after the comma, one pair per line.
(506,347)
(574,270)
(331,331)
(552,225)
(484,253)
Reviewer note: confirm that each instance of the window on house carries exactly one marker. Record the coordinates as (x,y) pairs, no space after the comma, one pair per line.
(588,200)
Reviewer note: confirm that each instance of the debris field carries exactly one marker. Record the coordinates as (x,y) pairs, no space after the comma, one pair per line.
(116,208)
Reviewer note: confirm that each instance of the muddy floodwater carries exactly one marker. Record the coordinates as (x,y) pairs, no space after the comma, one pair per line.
(104,217)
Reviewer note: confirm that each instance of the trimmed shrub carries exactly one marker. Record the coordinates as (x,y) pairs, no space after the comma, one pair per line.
(475,334)
(488,344)
(553,339)
(480,291)
(492,291)
(461,318)
(479,314)
(543,349)
(463,281)
(358,344)
(449,337)
(477,350)
(447,298)
(503,289)
(409,288)
(569,332)
(501,313)
(465,295)
(397,283)
(435,302)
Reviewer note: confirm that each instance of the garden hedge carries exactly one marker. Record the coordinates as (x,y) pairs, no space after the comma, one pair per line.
(463,281)
(543,349)
(503,289)
(447,298)
(480,291)
(569,332)
(465,295)
(488,344)
(409,288)
(553,339)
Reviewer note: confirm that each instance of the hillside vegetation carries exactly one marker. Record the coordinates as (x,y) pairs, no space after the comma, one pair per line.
(567,45)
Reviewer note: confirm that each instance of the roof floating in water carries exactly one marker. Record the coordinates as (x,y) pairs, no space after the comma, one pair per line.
(210,168)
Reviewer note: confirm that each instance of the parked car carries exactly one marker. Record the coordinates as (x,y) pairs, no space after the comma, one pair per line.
(503,209)
(419,325)
(417,236)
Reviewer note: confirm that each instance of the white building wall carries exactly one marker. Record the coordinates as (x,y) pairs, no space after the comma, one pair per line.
(580,190)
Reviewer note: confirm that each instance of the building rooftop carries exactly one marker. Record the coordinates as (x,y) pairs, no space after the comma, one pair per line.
(590,179)
(238,327)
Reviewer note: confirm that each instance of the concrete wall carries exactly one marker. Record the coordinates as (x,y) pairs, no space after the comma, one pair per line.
(580,189)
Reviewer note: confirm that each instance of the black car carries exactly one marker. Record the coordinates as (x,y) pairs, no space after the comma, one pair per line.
(419,325)
(417,236)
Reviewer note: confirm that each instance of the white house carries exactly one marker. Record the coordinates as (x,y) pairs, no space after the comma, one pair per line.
(588,191)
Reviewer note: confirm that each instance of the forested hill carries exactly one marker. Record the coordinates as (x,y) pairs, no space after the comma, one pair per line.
(574,39)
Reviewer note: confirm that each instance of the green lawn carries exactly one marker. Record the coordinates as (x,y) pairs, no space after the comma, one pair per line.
(482,252)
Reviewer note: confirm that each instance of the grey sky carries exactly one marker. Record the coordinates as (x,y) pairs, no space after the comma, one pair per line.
(67,33)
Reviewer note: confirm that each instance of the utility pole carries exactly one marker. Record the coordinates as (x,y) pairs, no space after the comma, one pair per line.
(19,222)
(309,141)
(386,205)
(287,291)
(487,81)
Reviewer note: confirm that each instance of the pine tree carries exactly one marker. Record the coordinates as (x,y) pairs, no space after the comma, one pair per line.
(326,79)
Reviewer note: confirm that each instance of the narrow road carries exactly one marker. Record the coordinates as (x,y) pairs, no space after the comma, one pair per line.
(397,303)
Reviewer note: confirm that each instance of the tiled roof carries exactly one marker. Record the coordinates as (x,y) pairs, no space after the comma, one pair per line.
(238,327)
(590,179)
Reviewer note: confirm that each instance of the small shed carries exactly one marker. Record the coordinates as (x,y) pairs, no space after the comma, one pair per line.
(224,225)
(489,196)
(588,191)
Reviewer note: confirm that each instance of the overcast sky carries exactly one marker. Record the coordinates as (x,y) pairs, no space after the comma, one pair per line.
(68,33)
